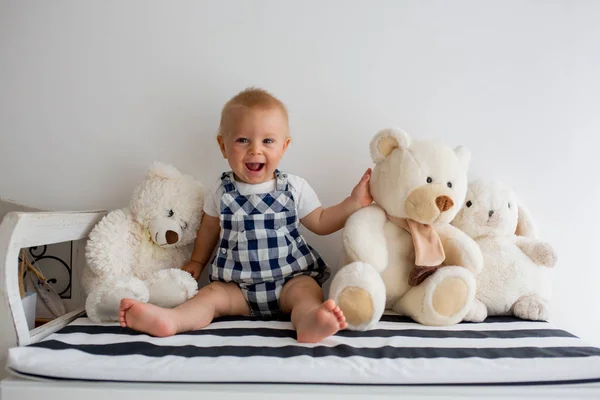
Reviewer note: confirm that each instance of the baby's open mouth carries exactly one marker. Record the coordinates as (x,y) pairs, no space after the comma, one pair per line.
(255,167)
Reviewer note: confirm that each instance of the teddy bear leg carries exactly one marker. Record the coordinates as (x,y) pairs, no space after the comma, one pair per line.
(360,293)
(171,287)
(102,304)
(444,298)
(532,308)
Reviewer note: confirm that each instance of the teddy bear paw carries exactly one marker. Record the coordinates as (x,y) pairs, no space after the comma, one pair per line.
(478,312)
(545,254)
(170,287)
(102,305)
(532,308)
(357,305)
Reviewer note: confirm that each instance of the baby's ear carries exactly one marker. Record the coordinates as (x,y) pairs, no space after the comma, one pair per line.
(385,141)
(525,225)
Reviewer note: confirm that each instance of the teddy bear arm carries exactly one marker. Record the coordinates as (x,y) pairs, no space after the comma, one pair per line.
(460,249)
(109,250)
(364,239)
(540,253)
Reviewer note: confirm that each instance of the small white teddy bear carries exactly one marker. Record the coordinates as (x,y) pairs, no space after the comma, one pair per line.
(516,278)
(137,252)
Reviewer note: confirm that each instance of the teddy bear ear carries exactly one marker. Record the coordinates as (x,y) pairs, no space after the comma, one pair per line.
(464,155)
(525,225)
(385,141)
(163,171)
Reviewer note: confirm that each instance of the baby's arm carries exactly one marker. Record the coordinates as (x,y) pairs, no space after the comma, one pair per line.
(206,240)
(324,221)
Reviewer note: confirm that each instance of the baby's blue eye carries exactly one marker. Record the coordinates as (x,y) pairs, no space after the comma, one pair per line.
(242,140)
(268,141)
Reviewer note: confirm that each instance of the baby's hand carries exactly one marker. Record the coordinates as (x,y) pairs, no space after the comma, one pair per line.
(194,268)
(361,193)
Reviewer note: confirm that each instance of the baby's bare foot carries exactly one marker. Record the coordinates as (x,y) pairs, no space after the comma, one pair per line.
(320,323)
(146,318)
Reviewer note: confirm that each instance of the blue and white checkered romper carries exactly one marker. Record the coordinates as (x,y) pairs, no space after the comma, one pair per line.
(260,247)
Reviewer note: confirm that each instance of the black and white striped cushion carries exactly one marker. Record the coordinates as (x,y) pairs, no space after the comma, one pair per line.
(240,349)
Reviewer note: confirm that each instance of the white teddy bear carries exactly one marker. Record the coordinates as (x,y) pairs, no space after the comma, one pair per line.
(393,249)
(137,252)
(515,277)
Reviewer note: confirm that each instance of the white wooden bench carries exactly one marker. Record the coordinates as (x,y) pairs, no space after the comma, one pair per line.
(26,229)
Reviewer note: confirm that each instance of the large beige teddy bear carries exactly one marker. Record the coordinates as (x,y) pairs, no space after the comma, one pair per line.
(137,252)
(516,277)
(393,248)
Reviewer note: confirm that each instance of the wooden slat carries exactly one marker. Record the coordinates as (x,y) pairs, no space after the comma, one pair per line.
(55,325)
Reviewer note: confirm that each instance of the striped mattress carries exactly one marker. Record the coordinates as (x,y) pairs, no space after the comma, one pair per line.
(501,350)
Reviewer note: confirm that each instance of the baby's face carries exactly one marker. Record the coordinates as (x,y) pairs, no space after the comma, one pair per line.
(253,142)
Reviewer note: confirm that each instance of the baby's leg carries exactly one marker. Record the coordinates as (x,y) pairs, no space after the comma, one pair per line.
(214,300)
(313,319)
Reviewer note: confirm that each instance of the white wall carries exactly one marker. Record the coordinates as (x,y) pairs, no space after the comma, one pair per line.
(92,92)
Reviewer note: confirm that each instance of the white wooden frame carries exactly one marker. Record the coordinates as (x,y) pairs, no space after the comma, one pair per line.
(26,229)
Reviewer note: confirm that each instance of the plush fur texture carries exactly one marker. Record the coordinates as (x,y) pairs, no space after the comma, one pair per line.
(136,252)
(516,278)
(408,179)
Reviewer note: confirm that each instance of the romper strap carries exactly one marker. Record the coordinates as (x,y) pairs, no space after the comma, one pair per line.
(282,181)
(227,182)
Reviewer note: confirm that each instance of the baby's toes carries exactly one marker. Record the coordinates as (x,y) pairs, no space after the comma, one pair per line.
(340,316)
(329,305)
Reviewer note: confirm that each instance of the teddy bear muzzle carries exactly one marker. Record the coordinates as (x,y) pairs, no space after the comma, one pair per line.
(426,203)
(165,231)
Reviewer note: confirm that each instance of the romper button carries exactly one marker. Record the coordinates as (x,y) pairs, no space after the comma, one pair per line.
(298,239)
(223,251)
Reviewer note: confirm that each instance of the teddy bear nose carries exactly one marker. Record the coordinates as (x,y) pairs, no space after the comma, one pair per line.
(491,213)
(172,237)
(444,203)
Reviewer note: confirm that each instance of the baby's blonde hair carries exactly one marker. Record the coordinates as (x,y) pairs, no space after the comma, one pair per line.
(253,98)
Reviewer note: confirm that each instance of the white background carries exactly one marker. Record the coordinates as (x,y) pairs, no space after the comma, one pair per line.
(93,92)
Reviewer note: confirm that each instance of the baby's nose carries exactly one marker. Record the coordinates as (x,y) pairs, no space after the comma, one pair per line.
(255,149)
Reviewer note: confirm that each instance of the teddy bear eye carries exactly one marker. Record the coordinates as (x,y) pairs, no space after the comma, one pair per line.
(429,180)
(449,184)
(508,205)
(171,213)
(469,203)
